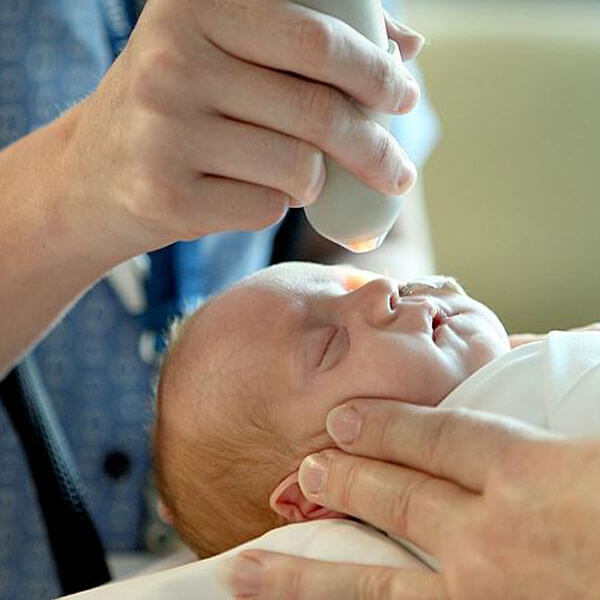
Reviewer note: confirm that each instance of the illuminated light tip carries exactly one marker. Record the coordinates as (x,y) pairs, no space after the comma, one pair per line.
(356,279)
(363,246)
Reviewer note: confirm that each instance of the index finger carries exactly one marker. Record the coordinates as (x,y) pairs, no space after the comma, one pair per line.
(317,46)
(457,444)
(426,510)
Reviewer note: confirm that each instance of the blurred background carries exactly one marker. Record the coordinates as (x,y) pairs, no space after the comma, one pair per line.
(511,188)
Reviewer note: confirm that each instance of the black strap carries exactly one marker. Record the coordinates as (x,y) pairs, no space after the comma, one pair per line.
(76,547)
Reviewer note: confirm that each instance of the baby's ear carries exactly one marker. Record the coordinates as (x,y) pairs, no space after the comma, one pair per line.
(165,514)
(288,501)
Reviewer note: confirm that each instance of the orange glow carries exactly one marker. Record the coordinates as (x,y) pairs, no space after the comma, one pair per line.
(365,245)
(355,279)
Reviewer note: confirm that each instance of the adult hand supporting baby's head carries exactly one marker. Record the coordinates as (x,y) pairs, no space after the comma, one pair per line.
(489,497)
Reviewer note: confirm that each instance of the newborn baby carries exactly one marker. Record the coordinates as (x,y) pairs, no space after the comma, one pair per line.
(250,377)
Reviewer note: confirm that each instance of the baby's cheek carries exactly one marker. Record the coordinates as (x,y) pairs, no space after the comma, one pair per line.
(484,348)
(304,416)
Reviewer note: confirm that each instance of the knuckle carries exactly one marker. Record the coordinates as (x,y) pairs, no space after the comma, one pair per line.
(386,438)
(380,583)
(384,156)
(149,200)
(322,110)
(405,502)
(443,428)
(316,40)
(296,585)
(350,486)
(384,79)
(506,481)
(152,69)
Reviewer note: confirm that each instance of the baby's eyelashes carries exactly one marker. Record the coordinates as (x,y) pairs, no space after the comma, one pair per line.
(336,349)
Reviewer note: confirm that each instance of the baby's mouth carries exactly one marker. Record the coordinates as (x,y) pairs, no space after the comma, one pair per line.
(438,318)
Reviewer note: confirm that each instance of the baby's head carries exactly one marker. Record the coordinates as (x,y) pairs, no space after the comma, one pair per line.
(250,377)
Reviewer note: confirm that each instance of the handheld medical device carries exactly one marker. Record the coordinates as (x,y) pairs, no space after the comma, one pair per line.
(348,212)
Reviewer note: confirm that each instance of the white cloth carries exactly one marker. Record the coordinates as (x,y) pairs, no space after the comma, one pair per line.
(337,540)
(553,384)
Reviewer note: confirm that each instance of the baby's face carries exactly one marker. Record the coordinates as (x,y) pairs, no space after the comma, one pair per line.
(309,337)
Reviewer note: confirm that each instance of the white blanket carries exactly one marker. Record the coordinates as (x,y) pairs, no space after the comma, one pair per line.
(554,384)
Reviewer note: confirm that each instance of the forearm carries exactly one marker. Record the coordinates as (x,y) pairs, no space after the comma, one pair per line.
(53,243)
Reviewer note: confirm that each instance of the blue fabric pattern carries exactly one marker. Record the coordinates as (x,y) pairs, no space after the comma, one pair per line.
(53,53)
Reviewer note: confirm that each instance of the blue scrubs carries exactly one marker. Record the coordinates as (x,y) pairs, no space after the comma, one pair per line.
(53,53)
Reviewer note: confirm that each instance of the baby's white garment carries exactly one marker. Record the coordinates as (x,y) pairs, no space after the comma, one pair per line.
(336,540)
(553,384)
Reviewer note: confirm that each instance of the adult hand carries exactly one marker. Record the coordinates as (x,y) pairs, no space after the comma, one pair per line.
(521,339)
(217,114)
(509,511)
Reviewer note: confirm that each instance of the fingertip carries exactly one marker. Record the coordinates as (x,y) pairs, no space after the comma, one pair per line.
(410,96)
(412,46)
(408,177)
(411,42)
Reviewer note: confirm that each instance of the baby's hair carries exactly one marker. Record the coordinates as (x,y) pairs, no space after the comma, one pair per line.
(205,472)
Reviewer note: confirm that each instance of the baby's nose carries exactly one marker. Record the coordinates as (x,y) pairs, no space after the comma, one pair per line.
(375,300)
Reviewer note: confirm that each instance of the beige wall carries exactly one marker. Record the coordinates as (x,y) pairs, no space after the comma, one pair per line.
(513,187)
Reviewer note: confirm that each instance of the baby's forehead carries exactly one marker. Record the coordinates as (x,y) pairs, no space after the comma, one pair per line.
(273,296)
(307,279)
(289,283)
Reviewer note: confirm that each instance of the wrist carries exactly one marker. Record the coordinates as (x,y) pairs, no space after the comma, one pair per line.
(86,206)
(53,244)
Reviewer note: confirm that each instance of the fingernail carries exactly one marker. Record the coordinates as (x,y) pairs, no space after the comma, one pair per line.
(242,576)
(344,424)
(318,185)
(313,473)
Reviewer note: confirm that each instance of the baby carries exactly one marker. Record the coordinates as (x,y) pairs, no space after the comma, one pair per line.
(250,377)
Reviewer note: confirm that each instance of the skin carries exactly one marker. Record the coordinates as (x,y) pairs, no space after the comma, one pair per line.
(198,127)
(337,333)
